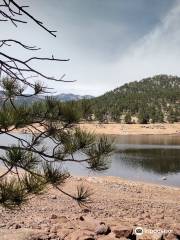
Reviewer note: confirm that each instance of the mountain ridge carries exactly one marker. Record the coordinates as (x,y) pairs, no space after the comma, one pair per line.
(152,99)
(61,97)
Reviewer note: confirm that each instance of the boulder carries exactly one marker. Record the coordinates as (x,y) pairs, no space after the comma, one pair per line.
(122,231)
(102,229)
(81,235)
(148,236)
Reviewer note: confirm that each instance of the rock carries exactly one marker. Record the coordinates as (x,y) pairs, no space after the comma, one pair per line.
(147,236)
(44,226)
(62,219)
(17,226)
(161,216)
(53,216)
(44,209)
(41,237)
(62,233)
(121,231)
(81,235)
(52,236)
(81,218)
(89,224)
(147,216)
(176,229)
(35,226)
(164,178)
(45,237)
(2,225)
(157,236)
(103,229)
(86,210)
(53,197)
(54,228)
(170,236)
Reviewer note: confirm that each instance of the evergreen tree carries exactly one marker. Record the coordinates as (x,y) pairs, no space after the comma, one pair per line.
(172,116)
(127,118)
(53,140)
(143,116)
(86,109)
(156,115)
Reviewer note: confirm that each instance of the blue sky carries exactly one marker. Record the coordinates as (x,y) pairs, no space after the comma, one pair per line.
(109,42)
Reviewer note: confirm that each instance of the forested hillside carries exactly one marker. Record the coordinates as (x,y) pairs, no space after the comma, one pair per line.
(151,100)
(154,99)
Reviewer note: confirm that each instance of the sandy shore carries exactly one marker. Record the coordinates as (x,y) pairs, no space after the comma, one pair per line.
(118,129)
(132,129)
(118,207)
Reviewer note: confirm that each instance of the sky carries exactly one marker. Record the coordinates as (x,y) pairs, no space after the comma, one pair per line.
(108,42)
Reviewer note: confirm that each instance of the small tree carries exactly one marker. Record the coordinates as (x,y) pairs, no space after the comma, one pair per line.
(86,108)
(127,118)
(157,116)
(172,116)
(33,162)
(143,116)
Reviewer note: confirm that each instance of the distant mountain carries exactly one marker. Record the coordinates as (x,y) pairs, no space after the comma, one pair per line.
(154,99)
(64,97)
(71,97)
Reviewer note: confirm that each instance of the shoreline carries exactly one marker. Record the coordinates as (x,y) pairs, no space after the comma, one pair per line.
(118,129)
(127,181)
(132,129)
(117,203)
(123,179)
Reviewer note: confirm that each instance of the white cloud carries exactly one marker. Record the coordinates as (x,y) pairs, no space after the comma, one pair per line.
(158,52)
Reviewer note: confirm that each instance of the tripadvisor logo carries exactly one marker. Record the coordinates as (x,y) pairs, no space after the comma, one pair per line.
(138,231)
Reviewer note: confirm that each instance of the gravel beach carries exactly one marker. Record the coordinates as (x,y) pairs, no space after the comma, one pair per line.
(118,207)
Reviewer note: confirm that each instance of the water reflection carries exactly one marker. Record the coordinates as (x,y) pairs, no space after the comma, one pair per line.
(157,160)
(147,158)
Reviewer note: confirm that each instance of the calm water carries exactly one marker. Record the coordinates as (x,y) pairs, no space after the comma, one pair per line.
(146,158)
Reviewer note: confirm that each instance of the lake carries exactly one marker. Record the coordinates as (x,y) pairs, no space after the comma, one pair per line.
(149,158)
